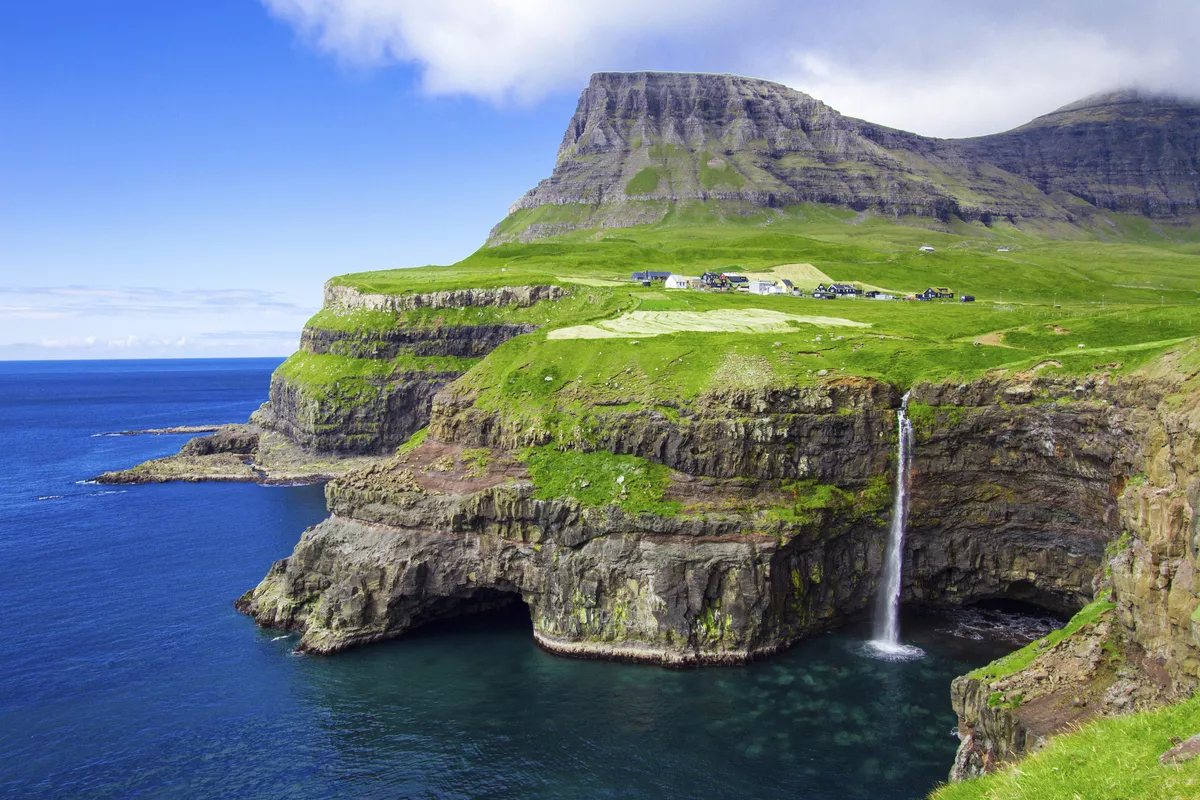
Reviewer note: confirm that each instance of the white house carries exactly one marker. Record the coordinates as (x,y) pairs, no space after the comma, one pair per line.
(925,248)
(764,287)
(681,282)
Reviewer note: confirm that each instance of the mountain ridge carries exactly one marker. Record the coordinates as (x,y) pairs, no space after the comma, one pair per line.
(641,143)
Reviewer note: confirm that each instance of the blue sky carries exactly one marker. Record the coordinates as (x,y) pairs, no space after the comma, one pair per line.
(179,178)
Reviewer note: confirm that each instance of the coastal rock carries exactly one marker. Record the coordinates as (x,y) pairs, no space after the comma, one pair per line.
(598,582)
(374,413)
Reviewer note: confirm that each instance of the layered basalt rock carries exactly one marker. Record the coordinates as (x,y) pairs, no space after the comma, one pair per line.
(1156,570)
(349,299)
(1125,151)
(1015,486)
(1014,495)
(460,341)
(839,432)
(1143,652)
(599,582)
(397,406)
(373,415)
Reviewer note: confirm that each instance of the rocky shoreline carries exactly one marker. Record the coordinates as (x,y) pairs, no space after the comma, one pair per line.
(239,454)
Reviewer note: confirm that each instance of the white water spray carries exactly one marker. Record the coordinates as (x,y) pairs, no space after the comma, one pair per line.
(886,643)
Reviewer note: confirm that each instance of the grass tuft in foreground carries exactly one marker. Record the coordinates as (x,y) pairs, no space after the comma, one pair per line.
(1108,759)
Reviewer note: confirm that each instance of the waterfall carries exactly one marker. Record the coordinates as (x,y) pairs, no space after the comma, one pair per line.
(887,616)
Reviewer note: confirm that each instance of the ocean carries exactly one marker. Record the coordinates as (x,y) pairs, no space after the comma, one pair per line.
(126,673)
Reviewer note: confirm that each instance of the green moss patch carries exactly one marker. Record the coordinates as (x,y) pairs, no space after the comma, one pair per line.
(600,479)
(813,500)
(718,173)
(413,442)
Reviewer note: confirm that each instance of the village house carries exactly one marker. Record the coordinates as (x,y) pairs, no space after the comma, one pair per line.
(650,276)
(763,287)
(839,290)
(936,293)
(681,282)
(714,280)
(739,282)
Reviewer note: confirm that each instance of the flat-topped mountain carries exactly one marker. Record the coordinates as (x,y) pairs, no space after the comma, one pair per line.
(643,145)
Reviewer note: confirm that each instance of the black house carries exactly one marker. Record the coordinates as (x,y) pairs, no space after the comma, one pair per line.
(936,293)
(839,289)
(714,280)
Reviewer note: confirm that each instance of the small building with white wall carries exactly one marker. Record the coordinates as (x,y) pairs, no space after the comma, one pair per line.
(681,282)
(764,287)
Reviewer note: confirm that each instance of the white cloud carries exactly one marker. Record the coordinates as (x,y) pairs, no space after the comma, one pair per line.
(495,49)
(1003,81)
(939,67)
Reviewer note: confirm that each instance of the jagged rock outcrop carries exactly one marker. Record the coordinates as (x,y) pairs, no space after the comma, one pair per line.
(641,142)
(1156,571)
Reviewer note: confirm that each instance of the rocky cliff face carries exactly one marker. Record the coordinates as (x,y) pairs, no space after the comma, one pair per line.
(836,433)
(1122,151)
(1156,570)
(1014,495)
(410,543)
(1015,486)
(640,143)
(1140,649)
(378,400)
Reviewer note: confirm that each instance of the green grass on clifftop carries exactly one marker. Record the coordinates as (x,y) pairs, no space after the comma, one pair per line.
(1055,306)
(1109,759)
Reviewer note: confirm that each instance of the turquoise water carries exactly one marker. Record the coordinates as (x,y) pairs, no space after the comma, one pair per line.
(125,671)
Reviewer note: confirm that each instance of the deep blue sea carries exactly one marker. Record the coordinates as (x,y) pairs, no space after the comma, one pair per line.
(126,672)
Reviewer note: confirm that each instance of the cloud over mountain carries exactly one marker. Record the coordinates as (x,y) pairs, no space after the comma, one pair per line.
(940,68)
